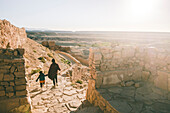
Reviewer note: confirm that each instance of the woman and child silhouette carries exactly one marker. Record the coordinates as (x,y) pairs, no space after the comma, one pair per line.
(52,74)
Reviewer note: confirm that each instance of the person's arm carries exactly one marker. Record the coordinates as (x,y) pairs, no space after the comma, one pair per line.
(58,67)
(37,78)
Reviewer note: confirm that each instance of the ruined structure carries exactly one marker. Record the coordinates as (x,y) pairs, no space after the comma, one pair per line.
(13,93)
(130,79)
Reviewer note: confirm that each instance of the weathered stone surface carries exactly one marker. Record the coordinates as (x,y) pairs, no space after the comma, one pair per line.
(75,104)
(19,74)
(20,87)
(161,80)
(8,89)
(111,79)
(115,90)
(21,93)
(130,83)
(145,75)
(2,93)
(118,104)
(8,77)
(1,76)
(20,81)
(9,94)
(69,93)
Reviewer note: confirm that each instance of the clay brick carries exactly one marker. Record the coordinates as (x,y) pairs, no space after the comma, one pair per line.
(9,89)
(8,77)
(21,93)
(2,93)
(2,88)
(12,69)
(9,94)
(1,76)
(17,60)
(4,83)
(12,84)
(20,81)
(20,87)
(19,74)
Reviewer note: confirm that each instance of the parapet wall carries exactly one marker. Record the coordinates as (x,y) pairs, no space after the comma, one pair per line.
(13,93)
(119,65)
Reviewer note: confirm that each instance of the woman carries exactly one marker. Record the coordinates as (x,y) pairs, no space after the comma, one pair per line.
(52,73)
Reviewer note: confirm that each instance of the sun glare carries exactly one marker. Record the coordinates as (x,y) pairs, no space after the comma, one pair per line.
(142,9)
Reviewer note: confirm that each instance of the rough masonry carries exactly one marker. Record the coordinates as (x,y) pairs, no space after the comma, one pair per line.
(130,79)
(13,93)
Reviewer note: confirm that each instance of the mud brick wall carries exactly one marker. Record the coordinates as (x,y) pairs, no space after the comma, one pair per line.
(124,64)
(13,93)
(127,66)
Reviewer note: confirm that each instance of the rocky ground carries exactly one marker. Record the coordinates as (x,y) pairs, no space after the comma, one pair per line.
(64,98)
(139,99)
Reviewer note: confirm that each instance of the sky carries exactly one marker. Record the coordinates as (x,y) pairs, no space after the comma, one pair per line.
(88,15)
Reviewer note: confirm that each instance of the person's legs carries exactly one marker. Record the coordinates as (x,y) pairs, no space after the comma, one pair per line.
(54,81)
(41,84)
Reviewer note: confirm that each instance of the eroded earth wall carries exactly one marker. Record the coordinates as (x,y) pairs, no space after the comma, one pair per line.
(132,68)
(13,93)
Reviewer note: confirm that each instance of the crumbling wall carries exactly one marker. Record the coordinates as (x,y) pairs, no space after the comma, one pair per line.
(128,66)
(119,65)
(13,93)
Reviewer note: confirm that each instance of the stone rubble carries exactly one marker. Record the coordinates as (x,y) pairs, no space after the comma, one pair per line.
(64,98)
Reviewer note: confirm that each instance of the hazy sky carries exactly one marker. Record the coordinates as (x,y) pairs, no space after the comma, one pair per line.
(89,15)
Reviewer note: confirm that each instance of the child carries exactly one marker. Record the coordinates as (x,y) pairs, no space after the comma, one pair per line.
(42,78)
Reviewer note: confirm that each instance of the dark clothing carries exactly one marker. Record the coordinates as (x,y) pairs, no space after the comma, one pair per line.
(41,78)
(52,73)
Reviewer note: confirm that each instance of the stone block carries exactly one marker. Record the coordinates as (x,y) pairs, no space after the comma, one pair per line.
(9,89)
(8,60)
(111,80)
(20,81)
(161,80)
(9,77)
(21,93)
(1,76)
(145,75)
(130,83)
(9,94)
(18,60)
(19,74)
(2,88)
(12,69)
(11,83)
(4,83)
(2,93)
(4,70)
(20,87)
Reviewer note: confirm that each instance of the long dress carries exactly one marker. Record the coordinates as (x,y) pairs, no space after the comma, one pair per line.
(52,73)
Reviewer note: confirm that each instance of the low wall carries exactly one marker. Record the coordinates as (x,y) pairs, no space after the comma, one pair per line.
(13,93)
(126,66)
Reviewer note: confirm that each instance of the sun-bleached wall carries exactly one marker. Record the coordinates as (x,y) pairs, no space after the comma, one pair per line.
(121,64)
